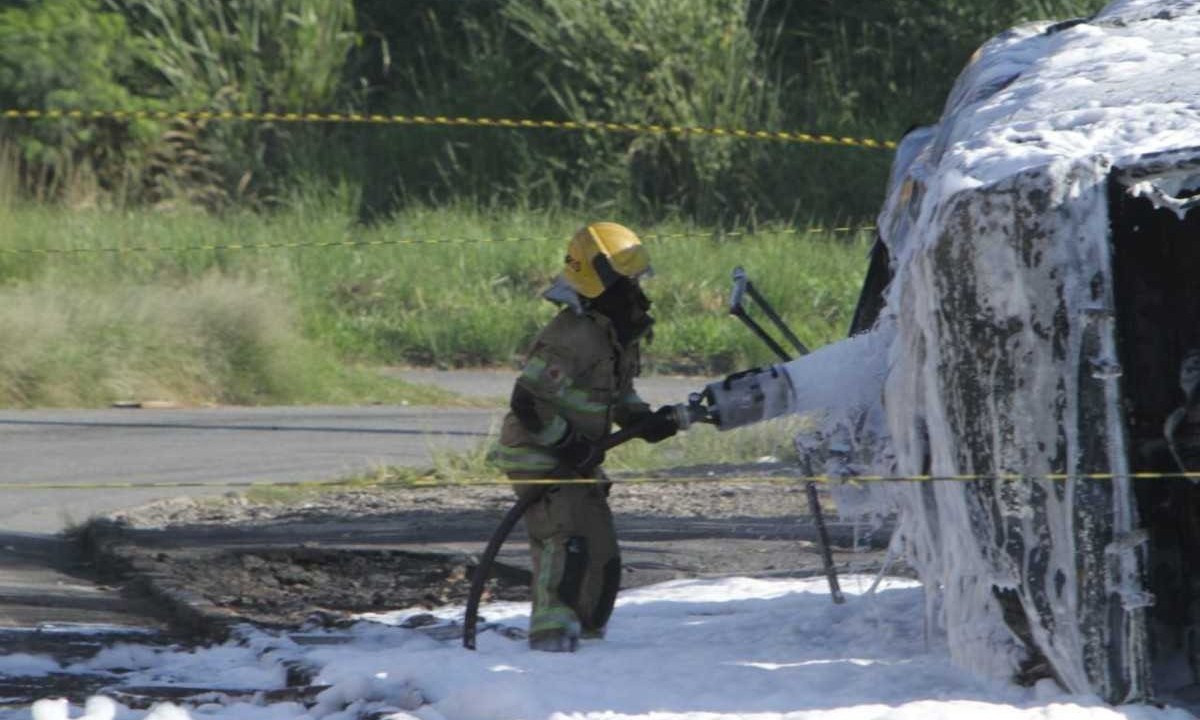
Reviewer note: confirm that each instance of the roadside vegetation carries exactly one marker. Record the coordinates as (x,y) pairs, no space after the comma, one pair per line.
(700,448)
(195,323)
(279,324)
(858,68)
(208,340)
(700,454)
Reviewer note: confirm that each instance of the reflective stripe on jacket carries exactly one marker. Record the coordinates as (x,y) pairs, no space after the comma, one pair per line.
(577,378)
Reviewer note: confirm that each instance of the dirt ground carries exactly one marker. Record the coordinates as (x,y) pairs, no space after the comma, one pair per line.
(291,587)
(327,557)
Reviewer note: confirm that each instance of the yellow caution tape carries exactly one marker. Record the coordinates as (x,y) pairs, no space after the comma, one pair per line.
(434,482)
(121,249)
(823,479)
(454,121)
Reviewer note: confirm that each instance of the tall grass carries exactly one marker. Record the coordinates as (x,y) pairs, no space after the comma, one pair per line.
(859,68)
(245,56)
(660,62)
(214,339)
(478,303)
(10,174)
(458,58)
(453,303)
(192,327)
(879,67)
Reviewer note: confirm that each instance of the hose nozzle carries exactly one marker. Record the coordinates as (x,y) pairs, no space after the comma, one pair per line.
(692,412)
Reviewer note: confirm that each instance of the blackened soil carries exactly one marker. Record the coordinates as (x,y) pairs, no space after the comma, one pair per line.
(330,557)
(293,586)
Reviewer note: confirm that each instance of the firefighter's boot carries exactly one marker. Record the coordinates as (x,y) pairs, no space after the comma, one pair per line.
(554,630)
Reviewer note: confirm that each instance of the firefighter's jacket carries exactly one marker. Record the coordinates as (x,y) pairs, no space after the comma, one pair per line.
(577,379)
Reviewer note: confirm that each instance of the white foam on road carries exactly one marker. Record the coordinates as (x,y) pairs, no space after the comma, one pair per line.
(735,648)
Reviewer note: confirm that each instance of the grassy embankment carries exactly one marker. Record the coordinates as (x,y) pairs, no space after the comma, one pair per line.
(298,325)
(702,448)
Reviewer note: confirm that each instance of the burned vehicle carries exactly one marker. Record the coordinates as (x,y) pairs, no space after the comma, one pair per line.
(1022,384)
(1036,283)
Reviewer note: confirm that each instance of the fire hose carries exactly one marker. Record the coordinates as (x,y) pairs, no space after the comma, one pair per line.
(741,399)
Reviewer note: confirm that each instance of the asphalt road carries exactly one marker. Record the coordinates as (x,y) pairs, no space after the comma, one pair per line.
(212,447)
(75,448)
(42,578)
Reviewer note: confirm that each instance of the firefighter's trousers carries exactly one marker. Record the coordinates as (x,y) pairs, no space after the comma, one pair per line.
(576,562)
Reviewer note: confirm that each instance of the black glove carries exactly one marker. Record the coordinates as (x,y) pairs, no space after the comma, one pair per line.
(659,425)
(580,454)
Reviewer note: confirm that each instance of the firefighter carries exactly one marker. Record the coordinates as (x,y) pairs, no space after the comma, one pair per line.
(576,382)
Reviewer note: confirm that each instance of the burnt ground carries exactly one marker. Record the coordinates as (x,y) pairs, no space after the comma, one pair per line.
(331,556)
(294,586)
(319,560)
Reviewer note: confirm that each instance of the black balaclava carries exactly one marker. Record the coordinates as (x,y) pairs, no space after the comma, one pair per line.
(628,308)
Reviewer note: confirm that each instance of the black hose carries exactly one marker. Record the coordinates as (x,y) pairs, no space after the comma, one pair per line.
(483,569)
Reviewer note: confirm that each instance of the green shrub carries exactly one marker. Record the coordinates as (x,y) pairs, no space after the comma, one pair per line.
(266,55)
(66,55)
(859,68)
(662,62)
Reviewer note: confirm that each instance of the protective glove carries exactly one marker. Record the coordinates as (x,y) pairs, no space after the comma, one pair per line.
(659,425)
(579,453)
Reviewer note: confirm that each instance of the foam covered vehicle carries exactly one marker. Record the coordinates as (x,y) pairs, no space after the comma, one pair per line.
(1037,282)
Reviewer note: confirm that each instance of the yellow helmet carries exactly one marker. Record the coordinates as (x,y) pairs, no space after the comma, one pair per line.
(600,254)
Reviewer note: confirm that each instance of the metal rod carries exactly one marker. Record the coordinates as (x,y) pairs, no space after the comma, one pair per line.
(814,506)
(742,287)
(769,311)
(740,313)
